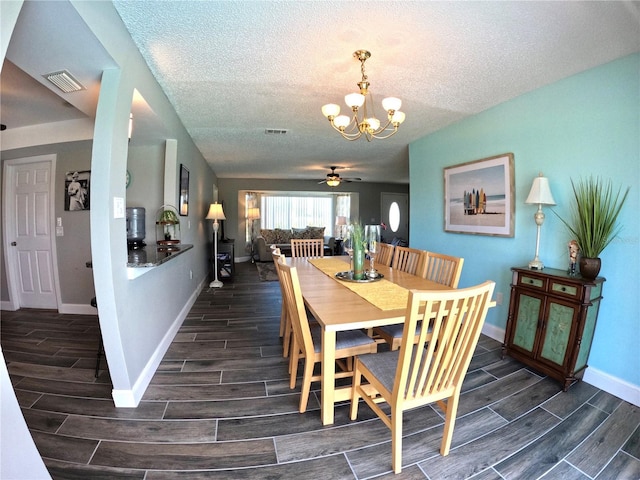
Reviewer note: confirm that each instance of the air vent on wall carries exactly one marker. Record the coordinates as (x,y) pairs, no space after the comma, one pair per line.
(64,81)
(275,131)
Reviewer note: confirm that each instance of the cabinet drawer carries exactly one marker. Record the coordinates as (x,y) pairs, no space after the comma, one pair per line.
(563,289)
(531,281)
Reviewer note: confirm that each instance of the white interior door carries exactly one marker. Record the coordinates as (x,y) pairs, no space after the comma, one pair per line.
(28,196)
(394,213)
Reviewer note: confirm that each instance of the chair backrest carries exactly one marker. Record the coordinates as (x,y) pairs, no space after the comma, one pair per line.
(295,307)
(410,260)
(307,247)
(385,254)
(444,269)
(434,367)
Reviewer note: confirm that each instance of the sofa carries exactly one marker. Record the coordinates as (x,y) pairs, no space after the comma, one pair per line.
(281,238)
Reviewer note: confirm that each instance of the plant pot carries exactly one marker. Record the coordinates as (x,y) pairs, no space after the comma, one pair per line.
(589,267)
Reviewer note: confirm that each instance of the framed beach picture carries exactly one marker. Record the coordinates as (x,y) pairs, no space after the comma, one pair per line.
(479,197)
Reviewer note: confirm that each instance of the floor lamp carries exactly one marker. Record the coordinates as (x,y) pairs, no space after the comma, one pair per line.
(541,194)
(253,214)
(215,214)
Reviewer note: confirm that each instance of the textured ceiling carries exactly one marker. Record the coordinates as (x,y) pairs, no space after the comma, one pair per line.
(235,68)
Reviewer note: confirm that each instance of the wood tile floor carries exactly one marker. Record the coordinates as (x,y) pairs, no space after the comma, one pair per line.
(220,407)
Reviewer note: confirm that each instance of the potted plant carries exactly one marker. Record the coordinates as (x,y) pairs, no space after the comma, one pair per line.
(593,220)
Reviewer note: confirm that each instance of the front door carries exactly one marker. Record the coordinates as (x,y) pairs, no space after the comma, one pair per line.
(394,213)
(28,200)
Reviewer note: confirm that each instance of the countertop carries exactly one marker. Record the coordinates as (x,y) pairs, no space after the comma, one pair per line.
(154,255)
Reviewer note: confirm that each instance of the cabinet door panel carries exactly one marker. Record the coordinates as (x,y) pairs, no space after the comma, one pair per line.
(527,317)
(558,330)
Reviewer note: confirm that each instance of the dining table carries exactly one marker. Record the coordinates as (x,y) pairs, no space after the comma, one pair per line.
(340,305)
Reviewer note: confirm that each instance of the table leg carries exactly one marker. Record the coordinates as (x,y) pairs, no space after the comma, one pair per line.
(328,375)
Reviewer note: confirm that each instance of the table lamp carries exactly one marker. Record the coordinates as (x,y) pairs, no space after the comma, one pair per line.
(341,222)
(215,214)
(541,194)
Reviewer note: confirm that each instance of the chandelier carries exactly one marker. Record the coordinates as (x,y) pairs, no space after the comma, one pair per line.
(364,121)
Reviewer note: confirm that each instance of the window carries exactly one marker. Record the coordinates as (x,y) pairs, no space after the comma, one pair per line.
(288,211)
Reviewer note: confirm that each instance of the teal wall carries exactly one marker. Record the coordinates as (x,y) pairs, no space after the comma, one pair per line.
(588,124)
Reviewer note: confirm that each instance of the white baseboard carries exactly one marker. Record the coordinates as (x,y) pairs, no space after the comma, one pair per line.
(8,306)
(77,309)
(494,332)
(131,398)
(613,385)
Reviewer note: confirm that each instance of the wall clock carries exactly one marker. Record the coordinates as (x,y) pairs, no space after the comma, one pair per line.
(128,179)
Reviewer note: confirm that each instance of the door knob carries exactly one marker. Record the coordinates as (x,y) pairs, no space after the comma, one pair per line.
(13,244)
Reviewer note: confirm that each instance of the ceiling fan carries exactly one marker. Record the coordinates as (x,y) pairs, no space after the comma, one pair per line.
(333,179)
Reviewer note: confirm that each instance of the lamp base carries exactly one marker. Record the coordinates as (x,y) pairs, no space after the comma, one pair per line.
(536,264)
(216,284)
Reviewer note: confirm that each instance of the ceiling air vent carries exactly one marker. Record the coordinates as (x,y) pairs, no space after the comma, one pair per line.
(64,81)
(275,131)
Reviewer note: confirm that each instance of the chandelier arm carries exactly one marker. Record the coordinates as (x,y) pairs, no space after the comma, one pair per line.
(378,137)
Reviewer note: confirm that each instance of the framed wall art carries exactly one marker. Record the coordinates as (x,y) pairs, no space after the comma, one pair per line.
(76,191)
(479,197)
(184,191)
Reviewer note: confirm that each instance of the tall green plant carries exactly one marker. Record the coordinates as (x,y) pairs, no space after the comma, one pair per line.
(594,215)
(357,236)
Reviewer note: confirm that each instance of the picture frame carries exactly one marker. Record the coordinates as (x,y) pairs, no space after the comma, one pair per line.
(184,191)
(77,186)
(479,197)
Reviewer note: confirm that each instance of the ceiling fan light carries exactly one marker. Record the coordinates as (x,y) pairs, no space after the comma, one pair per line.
(391,103)
(398,118)
(341,121)
(331,110)
(354,100)
(333,182)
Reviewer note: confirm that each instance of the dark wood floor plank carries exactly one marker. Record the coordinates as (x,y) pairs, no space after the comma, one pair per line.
(483,452)
(96,407)
(234,408)
(623,466)
(421,445)
(334,468)
(196,456)
(74,471)
(527,399)
(596,451)
(204,392)
(544,453)
(564,471)
(61,447)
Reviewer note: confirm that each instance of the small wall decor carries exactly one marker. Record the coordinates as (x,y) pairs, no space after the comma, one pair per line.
(76,190)
(478,197)
(184,191)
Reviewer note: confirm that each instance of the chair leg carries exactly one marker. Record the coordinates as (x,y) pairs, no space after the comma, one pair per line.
(293,364)
(283,322)
(306,384)
(288,333)
(355,396)
(396,439)
(449,423)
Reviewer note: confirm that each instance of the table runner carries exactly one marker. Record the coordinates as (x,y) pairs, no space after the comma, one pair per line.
(383,294)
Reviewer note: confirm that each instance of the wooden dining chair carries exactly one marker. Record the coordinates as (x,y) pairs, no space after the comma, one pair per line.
(285,324)
(306,343)
(384,254)
(307,247)
(428,371)
(410,260)
(440,268)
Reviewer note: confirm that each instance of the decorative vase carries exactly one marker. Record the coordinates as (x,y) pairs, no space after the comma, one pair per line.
(358,262)
(589,267)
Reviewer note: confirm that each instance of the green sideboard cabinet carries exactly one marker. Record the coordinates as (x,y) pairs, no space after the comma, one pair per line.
(552,319)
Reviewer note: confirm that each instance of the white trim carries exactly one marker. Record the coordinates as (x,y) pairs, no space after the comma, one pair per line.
(77,309)
(494,332)
(8,306)
(613,385)
(131,398)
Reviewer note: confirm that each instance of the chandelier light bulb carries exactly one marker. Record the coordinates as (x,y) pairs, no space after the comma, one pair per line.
(354,100)
(341,121)
(391,103)
(331,110)
(398,118)
(363,121)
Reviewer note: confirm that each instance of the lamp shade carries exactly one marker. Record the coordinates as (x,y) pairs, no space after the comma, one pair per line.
(215,212)
(540,192)
(341,220)
(253,213)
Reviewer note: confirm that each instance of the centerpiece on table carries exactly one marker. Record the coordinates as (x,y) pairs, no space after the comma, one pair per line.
(358,245)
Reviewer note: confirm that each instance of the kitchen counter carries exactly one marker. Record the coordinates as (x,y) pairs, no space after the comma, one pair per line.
(142,260)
